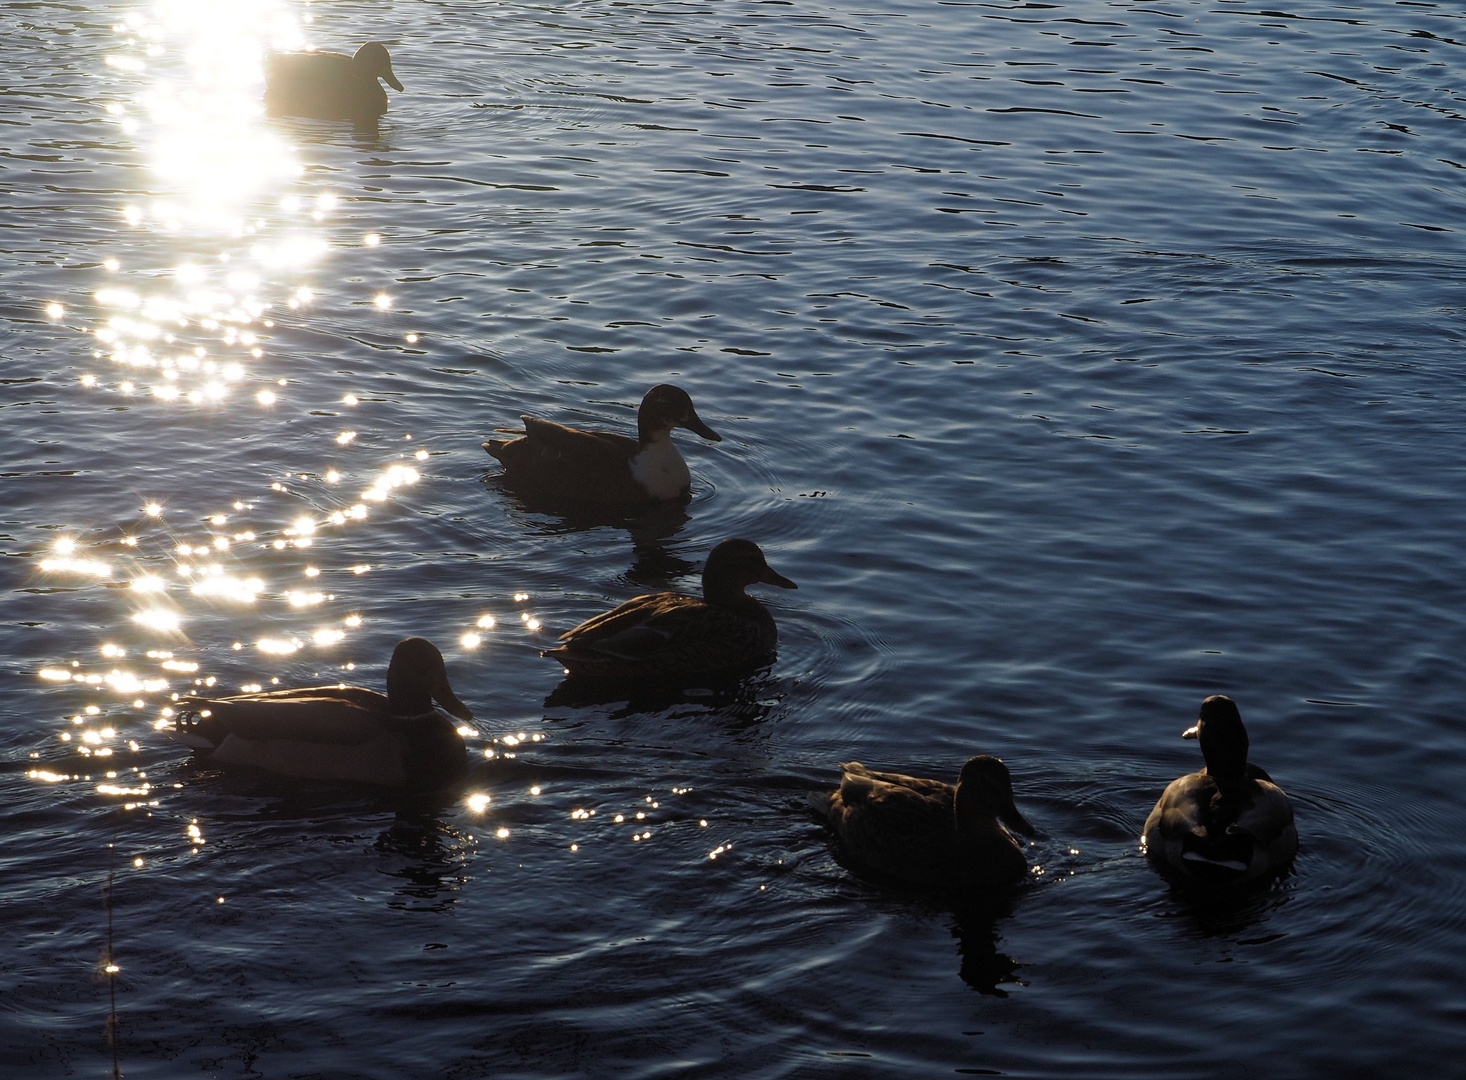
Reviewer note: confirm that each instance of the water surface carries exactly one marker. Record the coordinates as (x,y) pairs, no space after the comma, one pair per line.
(1077,360)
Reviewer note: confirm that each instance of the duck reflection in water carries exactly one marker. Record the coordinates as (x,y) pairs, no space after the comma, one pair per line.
(733,705)
(653,564)
(983,966)
(330,85)
(430,858)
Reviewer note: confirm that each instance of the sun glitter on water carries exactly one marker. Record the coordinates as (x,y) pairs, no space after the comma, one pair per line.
(203,120)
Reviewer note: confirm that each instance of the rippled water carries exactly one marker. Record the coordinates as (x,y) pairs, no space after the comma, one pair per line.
(1077,359)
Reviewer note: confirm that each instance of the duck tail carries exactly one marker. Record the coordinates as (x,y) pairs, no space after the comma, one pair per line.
(819,802)
(198,728)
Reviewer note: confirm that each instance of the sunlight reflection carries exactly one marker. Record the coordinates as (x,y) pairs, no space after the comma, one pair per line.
(209,141)
(159,619)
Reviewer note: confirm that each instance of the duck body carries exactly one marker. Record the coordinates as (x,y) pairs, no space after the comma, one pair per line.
(605,468)
(672,636)
(1225,827)
(930,834)
(349,734)
(329,85)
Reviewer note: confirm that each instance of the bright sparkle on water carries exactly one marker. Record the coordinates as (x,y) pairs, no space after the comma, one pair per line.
(209,142)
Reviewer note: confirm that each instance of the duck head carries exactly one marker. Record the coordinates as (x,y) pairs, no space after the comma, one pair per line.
(1223,739)
(666,407)
(417,677)
(733,566)
(373,61)
(985,789)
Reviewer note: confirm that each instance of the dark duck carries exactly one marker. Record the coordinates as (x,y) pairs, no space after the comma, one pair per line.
(340,733)
(671,636)
(1228,825)
(927,833)
(557,462)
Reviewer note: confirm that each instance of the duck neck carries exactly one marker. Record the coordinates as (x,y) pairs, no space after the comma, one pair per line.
(1227,768)
(647,434)
(970,817)
(408,703)
(729,594)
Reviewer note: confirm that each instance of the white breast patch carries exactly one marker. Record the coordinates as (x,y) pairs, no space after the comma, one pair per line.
(660,469)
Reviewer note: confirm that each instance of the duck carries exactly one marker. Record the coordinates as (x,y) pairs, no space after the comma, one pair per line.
(929,834)
(555,461)
(340,733)
(672,636)
(1228,825)
(329,85)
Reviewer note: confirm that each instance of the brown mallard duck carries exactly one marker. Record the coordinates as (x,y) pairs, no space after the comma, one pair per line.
(329,85)
(556,461)
(340,732)
(1228,825)
(927,833)
(673,636)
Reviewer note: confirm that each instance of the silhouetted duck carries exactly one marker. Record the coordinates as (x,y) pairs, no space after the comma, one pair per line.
(555,461)
(927,833)
(669,636)
(340,733)
(1229,824)
(329,85)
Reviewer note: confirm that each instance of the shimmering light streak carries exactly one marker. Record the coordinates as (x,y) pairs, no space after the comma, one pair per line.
(159,619)
(394,477)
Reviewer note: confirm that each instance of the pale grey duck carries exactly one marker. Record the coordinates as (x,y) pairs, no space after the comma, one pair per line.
(329,85)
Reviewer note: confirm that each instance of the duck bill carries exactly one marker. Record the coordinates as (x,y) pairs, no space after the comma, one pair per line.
(773,577)
(392,79)
(694,423)
(1193,732)
(443,694)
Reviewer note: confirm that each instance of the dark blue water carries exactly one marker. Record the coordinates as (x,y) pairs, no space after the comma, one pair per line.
(1077,360)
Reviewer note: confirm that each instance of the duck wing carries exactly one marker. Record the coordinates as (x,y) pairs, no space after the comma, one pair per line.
(668,636)
(565,462)
(642,627)
(346,717)
(653,616)
(1267,816)
(1178,812)
(325,85)
(934,788)
(546,443)
(1221,838)
(895,828)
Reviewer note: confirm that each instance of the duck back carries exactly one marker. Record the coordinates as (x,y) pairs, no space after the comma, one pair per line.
(322,85)
(670,636)
(584,466)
